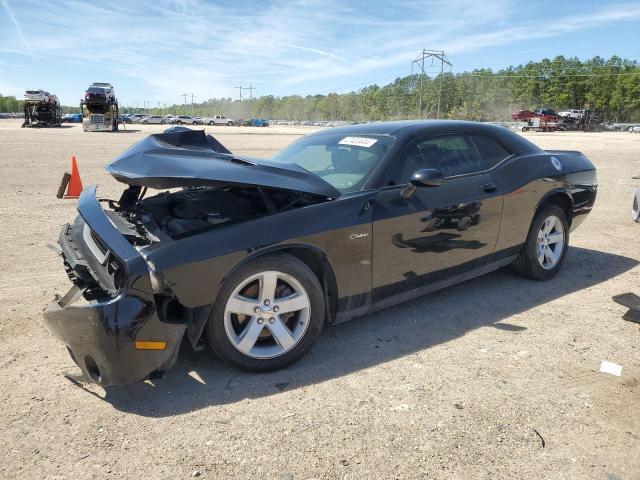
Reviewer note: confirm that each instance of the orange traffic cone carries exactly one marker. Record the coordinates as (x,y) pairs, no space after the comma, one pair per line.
(74,188)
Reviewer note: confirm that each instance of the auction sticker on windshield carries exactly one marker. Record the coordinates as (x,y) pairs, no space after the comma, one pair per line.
(358,141)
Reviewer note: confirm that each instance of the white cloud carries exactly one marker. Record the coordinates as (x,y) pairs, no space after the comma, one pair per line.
(9,12)
(172,46)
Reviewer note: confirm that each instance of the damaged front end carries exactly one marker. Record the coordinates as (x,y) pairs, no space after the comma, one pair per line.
(121,321)
(109,320)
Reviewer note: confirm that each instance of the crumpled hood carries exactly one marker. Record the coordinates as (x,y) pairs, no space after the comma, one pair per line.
(181,157)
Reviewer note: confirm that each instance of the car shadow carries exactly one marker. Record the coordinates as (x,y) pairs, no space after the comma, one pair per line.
(198,380)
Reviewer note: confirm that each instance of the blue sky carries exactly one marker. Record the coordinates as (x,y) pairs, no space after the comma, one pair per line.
(155,51)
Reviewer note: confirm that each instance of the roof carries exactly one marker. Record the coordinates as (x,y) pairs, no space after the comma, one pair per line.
(512,140)
(389,128)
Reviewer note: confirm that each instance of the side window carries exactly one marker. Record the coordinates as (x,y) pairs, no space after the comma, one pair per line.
(452,155)
(491,151)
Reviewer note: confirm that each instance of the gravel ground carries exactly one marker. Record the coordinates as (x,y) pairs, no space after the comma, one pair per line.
(494,378)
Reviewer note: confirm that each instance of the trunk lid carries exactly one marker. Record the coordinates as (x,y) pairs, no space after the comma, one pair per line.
(181,157)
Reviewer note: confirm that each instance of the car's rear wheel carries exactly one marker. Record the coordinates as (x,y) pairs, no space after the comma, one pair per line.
(145,122)
(162,122)
(546,245)
(268,315)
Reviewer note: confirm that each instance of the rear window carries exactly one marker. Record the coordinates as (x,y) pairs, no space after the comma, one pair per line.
(33,92)
(491,151)
(96,90)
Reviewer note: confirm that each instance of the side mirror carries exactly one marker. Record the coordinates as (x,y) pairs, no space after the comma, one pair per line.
(423,177)
(427,177)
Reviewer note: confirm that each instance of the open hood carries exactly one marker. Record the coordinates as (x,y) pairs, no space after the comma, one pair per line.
(181,157)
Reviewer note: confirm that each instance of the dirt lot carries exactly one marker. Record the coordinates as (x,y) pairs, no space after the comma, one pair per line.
(452,385)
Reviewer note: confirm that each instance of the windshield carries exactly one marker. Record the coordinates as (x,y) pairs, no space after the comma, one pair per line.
(343,161)
(96,90)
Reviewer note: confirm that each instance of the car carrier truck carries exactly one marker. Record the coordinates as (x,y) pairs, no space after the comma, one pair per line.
(41,109)
(99,109)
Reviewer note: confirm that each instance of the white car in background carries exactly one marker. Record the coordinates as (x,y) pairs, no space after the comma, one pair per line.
(154,119)
(571,113)
(218,120)
(137,117)
(186,120)
(40,96)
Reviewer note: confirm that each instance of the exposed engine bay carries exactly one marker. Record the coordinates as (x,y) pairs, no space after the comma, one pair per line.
(144,220)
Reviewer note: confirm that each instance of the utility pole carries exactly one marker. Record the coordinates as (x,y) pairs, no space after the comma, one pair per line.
(185,95)
(192,97)
(433,54)
(251,88)
(239,87)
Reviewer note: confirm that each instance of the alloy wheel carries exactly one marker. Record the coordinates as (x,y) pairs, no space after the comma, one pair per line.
(550,243)
(267,315)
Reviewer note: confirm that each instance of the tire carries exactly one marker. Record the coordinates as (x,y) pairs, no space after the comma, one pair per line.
(162,122)
(524,129)
(179,122)
(528,263)
(145,122)
(229,124)
(246,341)
(211,124)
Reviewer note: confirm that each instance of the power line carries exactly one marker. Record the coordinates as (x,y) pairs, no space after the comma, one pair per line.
(251,88)
(432,54)
(239,91)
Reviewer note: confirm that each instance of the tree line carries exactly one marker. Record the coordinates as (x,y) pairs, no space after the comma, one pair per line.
(609,87)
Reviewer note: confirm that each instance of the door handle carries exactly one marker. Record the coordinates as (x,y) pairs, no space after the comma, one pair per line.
(488,187)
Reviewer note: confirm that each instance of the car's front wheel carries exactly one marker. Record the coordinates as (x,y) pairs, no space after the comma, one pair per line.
(268,315)
(546,245)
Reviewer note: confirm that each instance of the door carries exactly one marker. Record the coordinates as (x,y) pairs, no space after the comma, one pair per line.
(439,231)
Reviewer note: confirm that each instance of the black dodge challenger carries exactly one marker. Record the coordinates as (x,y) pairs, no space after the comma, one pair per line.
(256,256)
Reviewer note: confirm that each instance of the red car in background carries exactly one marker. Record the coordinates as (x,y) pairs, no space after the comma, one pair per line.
(522,115)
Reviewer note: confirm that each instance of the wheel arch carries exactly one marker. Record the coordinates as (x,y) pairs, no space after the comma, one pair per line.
(560,198)
(312,257)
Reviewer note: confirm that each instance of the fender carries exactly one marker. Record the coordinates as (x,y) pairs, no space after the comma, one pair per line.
(196,326)
(555,191)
